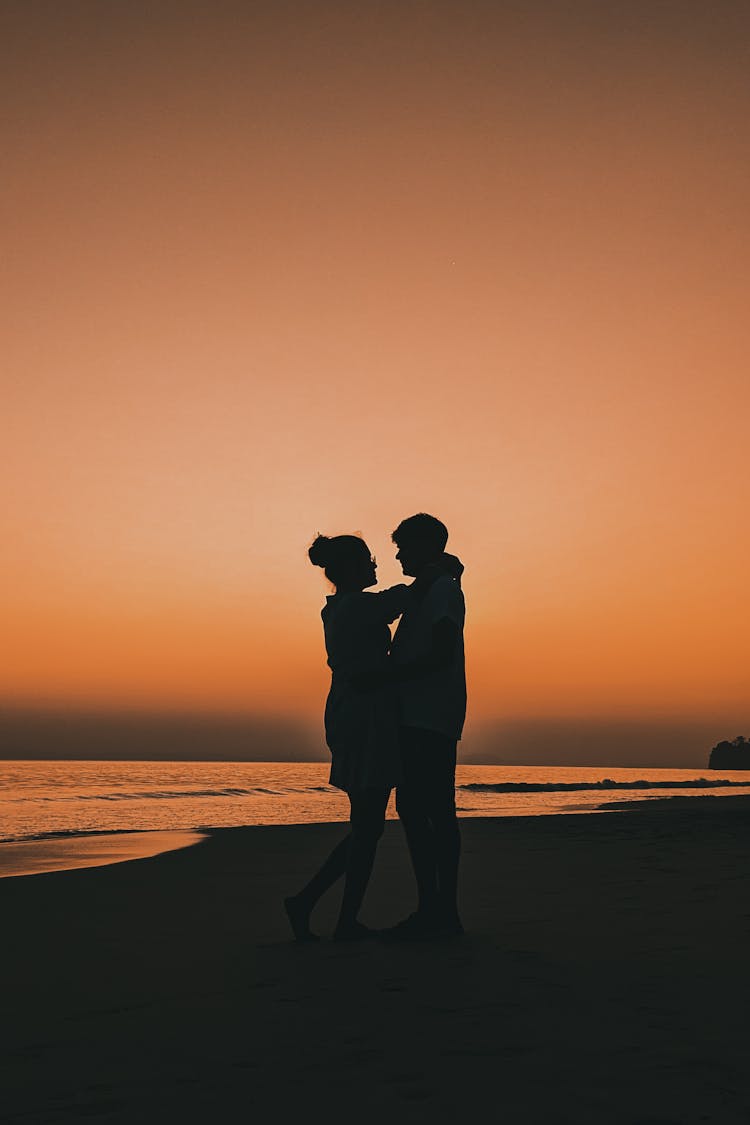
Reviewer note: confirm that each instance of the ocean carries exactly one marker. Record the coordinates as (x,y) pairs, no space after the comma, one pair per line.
(55,799)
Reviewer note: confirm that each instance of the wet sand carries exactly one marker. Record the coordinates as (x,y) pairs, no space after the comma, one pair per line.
(32,857)
(603,980)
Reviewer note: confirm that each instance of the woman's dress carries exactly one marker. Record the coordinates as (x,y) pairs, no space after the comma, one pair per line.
(361,726)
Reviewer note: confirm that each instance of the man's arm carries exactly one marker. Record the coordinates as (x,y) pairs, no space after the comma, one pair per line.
(443,644)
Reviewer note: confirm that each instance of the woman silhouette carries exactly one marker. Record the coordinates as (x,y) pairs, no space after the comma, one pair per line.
(361,722)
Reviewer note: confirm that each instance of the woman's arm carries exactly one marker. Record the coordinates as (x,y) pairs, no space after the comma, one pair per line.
(389,604)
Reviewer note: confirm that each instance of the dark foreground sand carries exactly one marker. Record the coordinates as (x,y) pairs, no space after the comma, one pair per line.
(604,979)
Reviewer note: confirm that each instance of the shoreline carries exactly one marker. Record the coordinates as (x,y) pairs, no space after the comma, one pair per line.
(20,859)
(75,851)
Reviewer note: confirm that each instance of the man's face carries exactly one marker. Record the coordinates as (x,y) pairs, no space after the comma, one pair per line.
(413,556)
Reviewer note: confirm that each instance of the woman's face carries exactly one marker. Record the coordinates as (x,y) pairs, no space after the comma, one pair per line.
(362,572)
(369,572)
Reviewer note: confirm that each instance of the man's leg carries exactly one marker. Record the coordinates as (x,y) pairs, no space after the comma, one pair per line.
(440,796)
(413,814)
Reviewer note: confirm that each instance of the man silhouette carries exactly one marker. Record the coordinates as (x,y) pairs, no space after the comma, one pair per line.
(428,664)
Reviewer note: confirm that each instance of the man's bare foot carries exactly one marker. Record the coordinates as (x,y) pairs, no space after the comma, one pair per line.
(416,927)
(352,931)
(424,925)
(449,925)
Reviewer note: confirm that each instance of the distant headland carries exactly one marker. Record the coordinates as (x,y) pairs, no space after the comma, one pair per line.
(734,755)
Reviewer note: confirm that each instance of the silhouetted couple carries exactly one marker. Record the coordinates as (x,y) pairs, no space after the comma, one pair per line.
(393,717)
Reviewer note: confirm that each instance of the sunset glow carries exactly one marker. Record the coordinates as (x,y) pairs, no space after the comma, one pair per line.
(274,271)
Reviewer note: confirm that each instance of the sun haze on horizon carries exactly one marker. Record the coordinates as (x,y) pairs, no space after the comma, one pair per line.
(284,269)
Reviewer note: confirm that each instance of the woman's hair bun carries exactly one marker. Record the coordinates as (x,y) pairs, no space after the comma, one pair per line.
(319,553)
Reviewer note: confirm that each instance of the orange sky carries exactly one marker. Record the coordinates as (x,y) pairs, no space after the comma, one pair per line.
(279,269)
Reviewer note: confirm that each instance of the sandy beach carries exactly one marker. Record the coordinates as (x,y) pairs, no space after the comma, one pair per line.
(603,979)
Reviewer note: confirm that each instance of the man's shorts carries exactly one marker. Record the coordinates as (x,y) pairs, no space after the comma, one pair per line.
(428,763)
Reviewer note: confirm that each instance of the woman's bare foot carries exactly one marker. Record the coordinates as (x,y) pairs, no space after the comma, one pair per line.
(352,931)
(299,919)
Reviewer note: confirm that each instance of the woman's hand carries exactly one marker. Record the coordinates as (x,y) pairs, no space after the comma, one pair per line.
(451,564)
(444,564)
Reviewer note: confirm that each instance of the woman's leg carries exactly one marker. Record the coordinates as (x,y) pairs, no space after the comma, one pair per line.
(299,907)
(367,820)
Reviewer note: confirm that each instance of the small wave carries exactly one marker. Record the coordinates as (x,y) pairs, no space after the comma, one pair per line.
(155,795)
(604,784)
(67,833)
(169,794)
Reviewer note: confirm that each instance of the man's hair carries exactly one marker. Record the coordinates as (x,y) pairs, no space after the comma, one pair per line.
(424,529)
